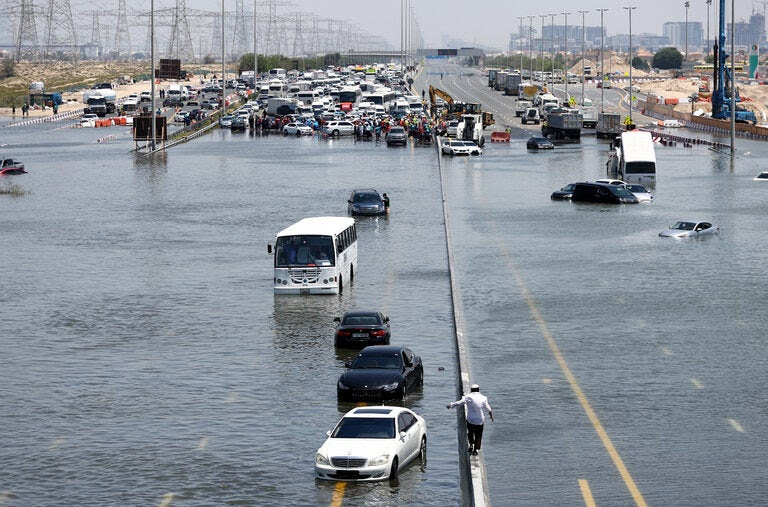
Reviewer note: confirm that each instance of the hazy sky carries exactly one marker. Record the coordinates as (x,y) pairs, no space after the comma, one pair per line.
(484,22)
(490,21)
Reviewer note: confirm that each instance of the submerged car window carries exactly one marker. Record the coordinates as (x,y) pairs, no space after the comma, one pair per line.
(385,362)
(365,427)
(622,191)
(366,198)
(684,226)
(361,320)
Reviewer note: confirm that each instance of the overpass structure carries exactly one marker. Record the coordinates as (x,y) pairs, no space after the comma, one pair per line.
(374,56)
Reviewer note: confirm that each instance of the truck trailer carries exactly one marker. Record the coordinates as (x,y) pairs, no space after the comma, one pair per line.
(562,124)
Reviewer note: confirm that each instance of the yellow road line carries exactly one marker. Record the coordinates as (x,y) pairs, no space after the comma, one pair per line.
(604,438)
(735,425)
(167,499)
(586,493)
(696,383)
(4,495)
(338,494)
(202,444)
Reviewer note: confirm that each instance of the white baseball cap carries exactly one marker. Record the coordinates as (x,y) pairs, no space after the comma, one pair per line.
(475,386)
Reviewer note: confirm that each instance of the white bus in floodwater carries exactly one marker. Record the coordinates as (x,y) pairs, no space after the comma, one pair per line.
(315,255)
(634,159)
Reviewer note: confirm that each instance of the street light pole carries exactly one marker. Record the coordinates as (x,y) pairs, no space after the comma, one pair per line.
(583,38)
(255,56)
(552,27)
(541,45)
(530,46)
(686,4)
(733,81)
(565,70)
(520,44)
(709,3)
(630,9)
(153,128)
(223,64)
(602,68)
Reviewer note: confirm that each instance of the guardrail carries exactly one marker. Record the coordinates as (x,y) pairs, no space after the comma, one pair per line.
(56,117)
(662,111)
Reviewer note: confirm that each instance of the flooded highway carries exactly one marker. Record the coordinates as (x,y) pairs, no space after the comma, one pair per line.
(618,363)
(147,359)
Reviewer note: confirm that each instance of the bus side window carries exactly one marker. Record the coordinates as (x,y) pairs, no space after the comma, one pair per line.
(338,244)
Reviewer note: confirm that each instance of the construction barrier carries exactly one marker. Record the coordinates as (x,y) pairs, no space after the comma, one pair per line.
(501,137)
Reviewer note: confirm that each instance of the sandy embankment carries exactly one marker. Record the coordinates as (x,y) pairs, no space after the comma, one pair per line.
(84,73)
(73,101)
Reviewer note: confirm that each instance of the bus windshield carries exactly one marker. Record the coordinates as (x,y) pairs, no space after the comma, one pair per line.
(293,251)
(349,96)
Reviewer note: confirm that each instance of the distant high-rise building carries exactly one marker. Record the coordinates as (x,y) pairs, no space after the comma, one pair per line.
(746,34)
(675,32)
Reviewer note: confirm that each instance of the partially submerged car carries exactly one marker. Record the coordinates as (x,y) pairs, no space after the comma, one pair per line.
(372,444)
(639,191)
(690,230)
(564,193)
(365,201)
(381,372)
(361,328)
(602,193)
(539,143)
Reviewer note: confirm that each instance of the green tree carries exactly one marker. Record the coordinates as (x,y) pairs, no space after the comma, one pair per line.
(640,64)
(668,58)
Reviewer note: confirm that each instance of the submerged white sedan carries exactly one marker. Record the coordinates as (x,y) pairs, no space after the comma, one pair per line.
(372,444)
(690,230)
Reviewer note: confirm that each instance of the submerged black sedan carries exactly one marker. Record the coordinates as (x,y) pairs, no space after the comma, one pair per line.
(381,372)
(361,328)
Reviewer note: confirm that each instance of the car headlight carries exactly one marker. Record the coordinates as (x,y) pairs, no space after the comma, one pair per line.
(341,386)
(378,461)
(390,387)
(321,460)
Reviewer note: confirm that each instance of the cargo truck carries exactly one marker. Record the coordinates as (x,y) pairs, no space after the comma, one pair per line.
(609,125)
(492,77)
(589,113)
(513,84)
(501,80)
(562,124)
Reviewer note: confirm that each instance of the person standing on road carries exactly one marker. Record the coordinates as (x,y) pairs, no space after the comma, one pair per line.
(385,199)
(475,403)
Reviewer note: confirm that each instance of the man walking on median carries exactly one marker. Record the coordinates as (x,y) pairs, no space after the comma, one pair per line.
(475,403)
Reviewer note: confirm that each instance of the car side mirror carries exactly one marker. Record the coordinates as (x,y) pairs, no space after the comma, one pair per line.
(347,364)
(328,433)
(337,319)
(269,248)
(386,319)
(402,435)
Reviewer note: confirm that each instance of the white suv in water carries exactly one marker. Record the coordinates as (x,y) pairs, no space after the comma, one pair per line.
(339,128)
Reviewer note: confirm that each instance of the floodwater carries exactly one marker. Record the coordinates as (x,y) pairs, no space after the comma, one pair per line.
(146,358)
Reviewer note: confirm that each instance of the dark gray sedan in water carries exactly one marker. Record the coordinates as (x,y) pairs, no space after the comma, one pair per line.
(381,372)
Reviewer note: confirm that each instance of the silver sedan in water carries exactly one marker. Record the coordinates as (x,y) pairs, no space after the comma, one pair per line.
(690,230)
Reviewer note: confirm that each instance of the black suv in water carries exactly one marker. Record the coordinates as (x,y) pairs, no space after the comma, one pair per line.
(602,193)
(365,201)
